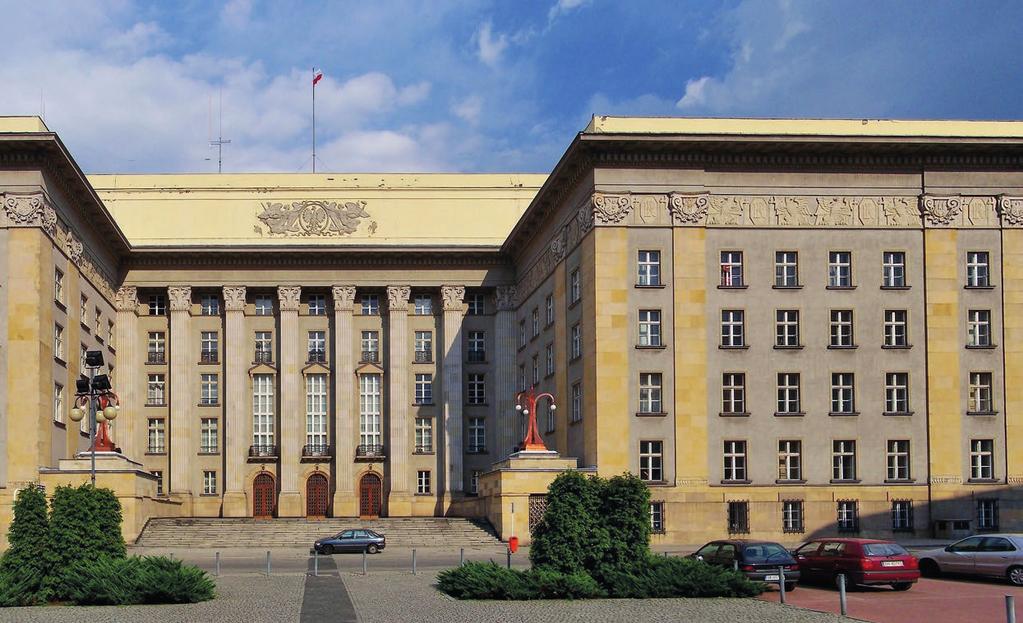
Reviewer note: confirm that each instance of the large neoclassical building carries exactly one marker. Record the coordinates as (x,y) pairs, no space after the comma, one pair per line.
(786,327)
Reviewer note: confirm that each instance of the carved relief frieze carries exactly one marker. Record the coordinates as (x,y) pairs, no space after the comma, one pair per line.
(344,297)
(452,297)
(29,210)
(180,298)
(397,297)
(941,210)
(313,218)
(289,298)
(812,211)
(234,298)
(505,296)
(611,209)
(1011,209)
(959,211)
(688,209)
(127,299)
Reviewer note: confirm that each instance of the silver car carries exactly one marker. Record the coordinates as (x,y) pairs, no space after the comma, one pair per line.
(992,555)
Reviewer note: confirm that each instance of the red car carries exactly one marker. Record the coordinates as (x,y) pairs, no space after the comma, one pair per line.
(863,561)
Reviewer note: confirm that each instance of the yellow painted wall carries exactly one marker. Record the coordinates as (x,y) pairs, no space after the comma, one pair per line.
(1012,346)
(689,255)
(943,348)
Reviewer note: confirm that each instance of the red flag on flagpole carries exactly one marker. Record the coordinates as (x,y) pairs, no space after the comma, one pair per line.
(317,76)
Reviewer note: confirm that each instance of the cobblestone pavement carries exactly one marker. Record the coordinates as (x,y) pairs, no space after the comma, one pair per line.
(388,597)
(239,600)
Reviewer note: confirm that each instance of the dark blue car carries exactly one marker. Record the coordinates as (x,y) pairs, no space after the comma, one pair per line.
(355,540)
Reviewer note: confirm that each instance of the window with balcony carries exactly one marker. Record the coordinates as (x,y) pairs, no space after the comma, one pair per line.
(893,269)
(424,435)
(263,415)
(650,328)
(477,389)
(369,414)
(209,347)
(477,347)
(651,461)
(317,345)
(155,390)
(477,435)
(731,269)
(210,389)
(370,347)
(843,460)
(790,460)
(424,389)
(649,268)
(264,347)
(316,414)
(786,269)
(424,346)
(839,269)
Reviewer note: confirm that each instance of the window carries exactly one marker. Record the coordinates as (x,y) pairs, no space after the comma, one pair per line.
(97,317)
(474,482)
(424,346)
(370,346)
(786,269)
(893,269)
(792,516)
(842,393)
(738,518)
(263,411)
(208,435)
(264,305)
(987,514)
(978,328)
(577,402)
(896,392)
(316,411)
(536,369)
(902,515)
(548,306)
(535,321)
(157,347)
(657,517)
(477,389)
(477,435)
(208,347)
(786,328)
(735,461)
(732,330)
(423,482)
(110,333)
(649,327)
(650,461)
(549,359)
(209,305)
(897,459)
(977,270)
(157,305)
(209,482)
(843,460)
(841,328)
(576,342)
(317,305)
(155,390)
(424,389)
(476,304)
(650,393)
(422,305)
(58,402)
(848,516)
(82,359)
(649,268)
(317,344)
(370,304)
(895,333)
(159,480)
(551,419)
(733,393)
(369,410)
(83,310)
(209,389)
(839,269)
(264,347)
(58,341)
(477,342)
(979,399)
(58,285)
(522,333)
(731,269)
(424,434)
(982,459)
(788,393)
(156,436)
(522,378)
(574,287)
(790,460)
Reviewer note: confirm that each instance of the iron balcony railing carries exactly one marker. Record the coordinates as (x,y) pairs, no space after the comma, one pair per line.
(370,356)
(477,356)
(316,450)
(264,356)
(423,356)
(367,451)
(209,356)
(157,356)
(426,449)
(263,451)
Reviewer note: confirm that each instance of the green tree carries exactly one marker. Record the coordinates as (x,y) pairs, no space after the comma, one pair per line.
(85,523)
(25,558)
(625,512)
(571,538)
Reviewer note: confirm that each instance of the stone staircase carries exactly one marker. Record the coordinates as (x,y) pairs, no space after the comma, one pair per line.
(203,532)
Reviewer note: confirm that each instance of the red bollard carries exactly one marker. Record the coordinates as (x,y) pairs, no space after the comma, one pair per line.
(513,544)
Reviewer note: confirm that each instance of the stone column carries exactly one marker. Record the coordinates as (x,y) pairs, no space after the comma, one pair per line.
(182,402)
(345,439)
(292,415)
(236,431)
(504,372)
(452,358)
(399,501)
(129,370)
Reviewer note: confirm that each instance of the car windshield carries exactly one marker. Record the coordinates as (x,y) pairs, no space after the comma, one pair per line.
(884,549)
(765,552)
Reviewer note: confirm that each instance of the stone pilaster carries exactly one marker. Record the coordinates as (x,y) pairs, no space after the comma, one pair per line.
(182,403)
(292,415)
(129,368)
(453,297)
(399,501)
(504,372)
(237,432)
(345,437)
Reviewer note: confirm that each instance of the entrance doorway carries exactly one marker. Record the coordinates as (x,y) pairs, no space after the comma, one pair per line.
(316,495)
(369,496)
(263,496)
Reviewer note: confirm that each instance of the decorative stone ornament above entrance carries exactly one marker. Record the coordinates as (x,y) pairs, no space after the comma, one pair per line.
(313,218)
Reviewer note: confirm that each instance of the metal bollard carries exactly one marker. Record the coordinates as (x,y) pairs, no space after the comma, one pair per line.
(841,593)
(781,583)
(509,557)
(413,561)
(461,556)
(735,565)
(1010,609)
(217,569)
(363,562)
(316,563)
(267,563)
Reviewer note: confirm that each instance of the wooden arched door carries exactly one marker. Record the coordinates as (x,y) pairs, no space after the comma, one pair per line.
(369,495)
(317,493)
(263,496)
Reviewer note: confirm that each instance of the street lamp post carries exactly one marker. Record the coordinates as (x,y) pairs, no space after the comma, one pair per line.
(96,394)
(533,441)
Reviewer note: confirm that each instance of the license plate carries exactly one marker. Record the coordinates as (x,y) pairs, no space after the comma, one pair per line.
(891,563)
(771,578)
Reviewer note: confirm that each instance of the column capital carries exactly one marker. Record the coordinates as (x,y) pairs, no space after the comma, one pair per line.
(505,298)
(289,297)
(127,299)
(234,298)
(180,298)
(453,297)
(344,297)
(397,297)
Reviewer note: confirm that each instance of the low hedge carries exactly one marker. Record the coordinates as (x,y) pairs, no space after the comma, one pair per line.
(135,580)
(678,577)
(487,580)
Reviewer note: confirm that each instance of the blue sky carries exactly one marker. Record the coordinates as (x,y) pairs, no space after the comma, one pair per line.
(478,86)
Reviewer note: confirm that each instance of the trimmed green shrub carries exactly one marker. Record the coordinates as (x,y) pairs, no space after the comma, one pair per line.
(625,512)
(546,584)
(571,537)
(163,580)
(16,590)
(102,581)
(486,580)
(23,566)
(678,577)
(134,580)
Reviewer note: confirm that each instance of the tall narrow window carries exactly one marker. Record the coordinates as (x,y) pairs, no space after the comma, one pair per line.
(477,389)
(370,346)
(839,269)
(902,515)
(786,329)
(982,459)
(893,269)
(209,482)
(842,393)
(535,321)
(474,482)
(263,414)
(424,434)
(210,389)
(156,436)
(978,328)
(896,393)
(977,269)
(159,480)
(209,347)
(477,435)
(843,460)
(848,516)
(895,332)
(732,328)
(786,269)
(657,517)
(790,460)
(792,516)
(987,514)
(264,347)
(649,268)
(650,327)
(317,305)
(155,390)
(83,311)
(577,402)
(424,389)
(576,342)
(208,437)
(549,359)
(369,412)
(536,369)
(731,269)
(575,293)
(423,482)
(979,399)
(58,341)
(738,517)
(788,393)
(58,285)
(316,413)
(897,459)
(548,306)
(733,393)
(522,333)
(317,346)
(841,328)
(650,392)
(58,403)
(424,346)
(735,461)
(477,344)
(157,347)
(651,461)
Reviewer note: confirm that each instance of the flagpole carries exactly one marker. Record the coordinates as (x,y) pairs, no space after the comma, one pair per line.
(314,120)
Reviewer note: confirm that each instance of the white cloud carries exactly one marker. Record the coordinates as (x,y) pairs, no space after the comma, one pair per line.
(562,7)
(236,14)
(141,38)
(414,93)
(695,94)
(489,47)
(469,109)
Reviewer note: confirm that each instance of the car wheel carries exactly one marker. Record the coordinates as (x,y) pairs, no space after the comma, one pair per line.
(848,583)
(328,550)
(929,568)
(902,586)
(790,586)
(1015,575)
(372,548)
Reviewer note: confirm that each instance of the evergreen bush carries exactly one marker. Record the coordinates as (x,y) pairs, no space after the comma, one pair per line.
(625,513)
(486,580)
(23,567)
(162,580)
(571,538)
(134,580)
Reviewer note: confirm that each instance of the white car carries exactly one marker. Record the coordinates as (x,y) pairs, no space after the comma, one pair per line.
(992,555)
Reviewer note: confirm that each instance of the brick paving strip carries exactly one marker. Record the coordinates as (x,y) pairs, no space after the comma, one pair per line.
(325,598)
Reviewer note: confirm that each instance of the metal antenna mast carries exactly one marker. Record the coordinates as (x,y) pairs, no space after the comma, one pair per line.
(221,141)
